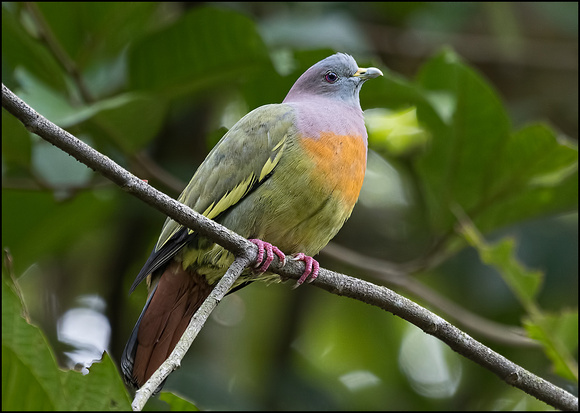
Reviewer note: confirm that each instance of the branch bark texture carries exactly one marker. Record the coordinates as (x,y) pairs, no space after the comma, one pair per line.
(333,282)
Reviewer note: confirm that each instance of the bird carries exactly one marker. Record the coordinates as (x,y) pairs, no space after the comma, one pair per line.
(286,176)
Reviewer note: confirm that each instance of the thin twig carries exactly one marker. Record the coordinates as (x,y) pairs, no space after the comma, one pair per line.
(335,283)
(150,167)
(62,57)
(195,325)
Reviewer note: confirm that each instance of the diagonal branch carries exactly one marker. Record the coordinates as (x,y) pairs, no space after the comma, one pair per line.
(82,152)
(335,283)
(391,275)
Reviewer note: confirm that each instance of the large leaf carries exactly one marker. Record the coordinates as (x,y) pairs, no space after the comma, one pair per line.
(101,389)
(558,334)
(130,120)
(459,166)
(207,46)
(31,378)
(535,174)
(523,282)
(90,32)
(177,403)
(49,226)
(473,159)
(16,143)
(20,49)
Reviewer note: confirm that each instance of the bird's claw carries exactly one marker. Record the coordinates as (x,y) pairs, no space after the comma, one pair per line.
(311,271)
(263,264)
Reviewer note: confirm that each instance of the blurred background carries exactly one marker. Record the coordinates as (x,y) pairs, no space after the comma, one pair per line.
(155,85)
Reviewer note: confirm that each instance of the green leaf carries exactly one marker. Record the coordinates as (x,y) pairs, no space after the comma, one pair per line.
(471,128)
(523,282)
(50,103)
(131,120)
(53,225)
(58,168)
(536,173)
(205,47)
(177,403)
(473,159)
(501,255)
(558,334)
(91,32)
(395,133)
(21,50)
(16,143)
(101,389)
(21,389)
(31,379)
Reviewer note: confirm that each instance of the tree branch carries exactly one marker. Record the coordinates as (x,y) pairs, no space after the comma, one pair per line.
(335,283)
(82,152)
(391,275)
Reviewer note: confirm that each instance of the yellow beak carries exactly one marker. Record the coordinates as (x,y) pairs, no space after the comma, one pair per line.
(368,73)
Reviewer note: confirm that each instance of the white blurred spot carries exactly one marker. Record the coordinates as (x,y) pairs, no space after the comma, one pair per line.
(230,312)
(359,379)
(233,112)
(432,368)
(86,329)
(382,187)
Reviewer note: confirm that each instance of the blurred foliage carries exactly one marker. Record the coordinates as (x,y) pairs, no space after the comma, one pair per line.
(31,379)
(154,85)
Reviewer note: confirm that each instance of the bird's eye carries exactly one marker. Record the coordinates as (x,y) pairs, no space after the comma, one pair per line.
(331,77)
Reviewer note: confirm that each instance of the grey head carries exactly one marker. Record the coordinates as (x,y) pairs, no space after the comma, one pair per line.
(337,77)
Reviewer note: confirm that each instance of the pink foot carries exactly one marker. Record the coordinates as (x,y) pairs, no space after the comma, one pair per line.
(311,270)
(270,251)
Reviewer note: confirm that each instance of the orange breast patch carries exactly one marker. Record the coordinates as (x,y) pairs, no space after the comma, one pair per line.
(340,163)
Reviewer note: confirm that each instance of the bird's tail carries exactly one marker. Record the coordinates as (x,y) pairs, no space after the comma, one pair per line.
(167,313)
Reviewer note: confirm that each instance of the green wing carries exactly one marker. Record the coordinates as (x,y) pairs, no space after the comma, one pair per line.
(244,158)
